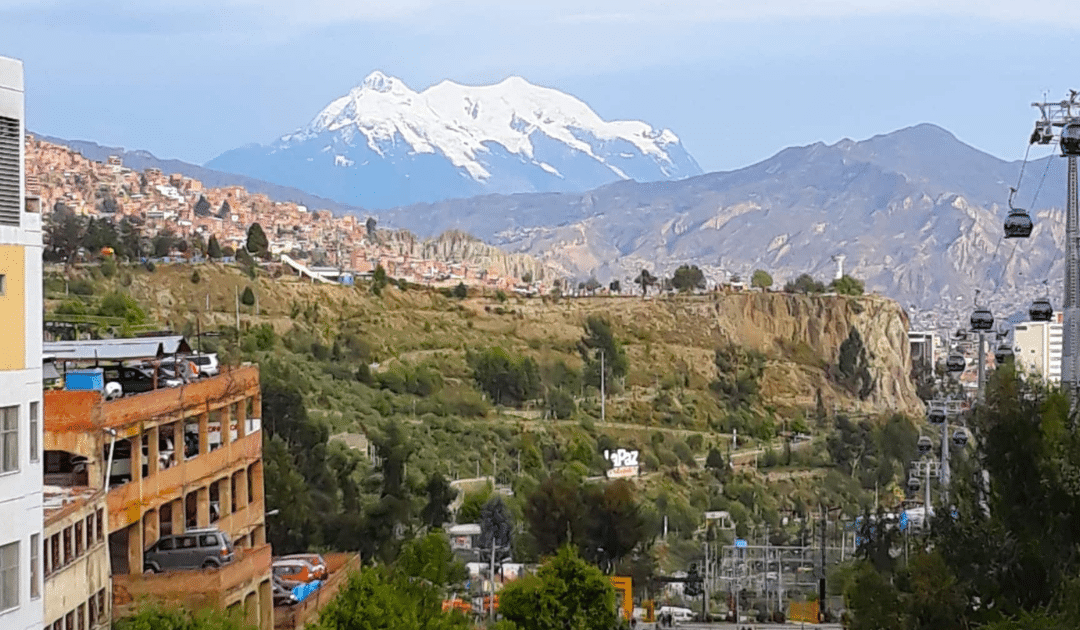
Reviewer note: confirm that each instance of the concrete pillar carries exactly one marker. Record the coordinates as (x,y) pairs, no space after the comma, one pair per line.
(151,523)
(259,533)
(241,418)
(256,406)
(136,458)
(240,491)
(251,608)
(266,605)
(226,416)
(225,496)
(152,453)
(204,433)
(135,548)
(202,507)
(179,520)
(178,442)
(255,474)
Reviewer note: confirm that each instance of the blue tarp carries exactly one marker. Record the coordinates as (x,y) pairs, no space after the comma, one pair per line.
(301,592)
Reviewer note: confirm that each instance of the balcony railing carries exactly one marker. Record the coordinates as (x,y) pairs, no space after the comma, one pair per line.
(218,588)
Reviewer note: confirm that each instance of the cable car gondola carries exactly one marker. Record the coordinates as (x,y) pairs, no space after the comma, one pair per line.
(982,319)
(913,484)
(925,444)
(960,437)
(1070,139)
(1018,224)
(955,363)
(1041,310)
(936,416)
(1003,354)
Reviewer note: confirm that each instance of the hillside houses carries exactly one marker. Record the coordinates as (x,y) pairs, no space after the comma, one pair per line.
(159,202)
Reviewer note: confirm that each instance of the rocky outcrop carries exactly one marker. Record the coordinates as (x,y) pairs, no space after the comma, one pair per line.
(801,336)
(459,247)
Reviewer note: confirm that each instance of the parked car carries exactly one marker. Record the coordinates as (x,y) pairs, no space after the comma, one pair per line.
(194,549)
(136,379)
(283,595)
(294,570)
(317,562)
(207,364)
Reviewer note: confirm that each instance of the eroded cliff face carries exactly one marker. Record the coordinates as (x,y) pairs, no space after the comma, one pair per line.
(798,328)
(801,336)
(460,247)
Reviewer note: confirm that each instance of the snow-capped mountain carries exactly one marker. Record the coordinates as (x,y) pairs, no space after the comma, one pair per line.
(383,145)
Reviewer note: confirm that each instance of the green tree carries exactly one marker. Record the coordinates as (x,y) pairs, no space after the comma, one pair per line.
(290,530)
(507,379)
(805,283)
(257,244)
(615,286)
(560,403)
(247,297)
(847,286)
(599,338)
(439,497)
(383,598)
(461,291)
(715,462)
(873,602)
(616,523)
(853,366)
(378,278)
(645,280)
(688,278)
(213,248)
(202,207)
(195,277)
(556,514)
(761,279)
(164,242)
(527,277)
(161,618)
(431,559)
(566,593)
(496,526)
(64,233)
(738,375)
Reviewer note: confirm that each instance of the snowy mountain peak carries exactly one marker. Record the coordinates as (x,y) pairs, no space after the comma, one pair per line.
(512,136)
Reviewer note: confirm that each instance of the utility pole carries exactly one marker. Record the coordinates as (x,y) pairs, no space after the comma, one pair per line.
(1065,116)
(603,378)
(821,581)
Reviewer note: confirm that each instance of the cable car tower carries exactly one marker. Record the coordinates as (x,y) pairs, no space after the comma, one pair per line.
(1061,121)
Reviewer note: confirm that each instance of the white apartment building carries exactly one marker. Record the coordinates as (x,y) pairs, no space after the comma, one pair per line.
(924,347)
(1038,347)
(21,413)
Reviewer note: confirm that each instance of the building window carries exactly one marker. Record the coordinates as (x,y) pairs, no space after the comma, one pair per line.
(91,607)
(78,539)
(80,617)
(89,531)
(55,559)
(3,284)
(35,557)
(100,525)
(9,576)
(35,455)
(67,546)
(46,563)
(69,621)
(9,439)
(10,203)
(103,611)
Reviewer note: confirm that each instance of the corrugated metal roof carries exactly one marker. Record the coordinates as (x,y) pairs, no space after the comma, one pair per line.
(117,349)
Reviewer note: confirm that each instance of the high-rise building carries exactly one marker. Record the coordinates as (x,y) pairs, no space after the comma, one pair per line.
(1038,348)
(21,602)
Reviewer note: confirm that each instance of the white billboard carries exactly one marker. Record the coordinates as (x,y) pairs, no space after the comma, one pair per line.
(624,463)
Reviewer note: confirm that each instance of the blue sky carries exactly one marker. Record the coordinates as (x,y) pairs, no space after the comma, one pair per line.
(737,81)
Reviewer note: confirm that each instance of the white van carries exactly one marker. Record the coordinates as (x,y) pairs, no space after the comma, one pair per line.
(679,614)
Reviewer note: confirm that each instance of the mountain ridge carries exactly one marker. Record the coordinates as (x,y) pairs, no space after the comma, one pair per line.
(382,144)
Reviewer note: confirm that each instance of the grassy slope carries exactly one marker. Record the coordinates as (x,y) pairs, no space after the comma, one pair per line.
(666,400)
